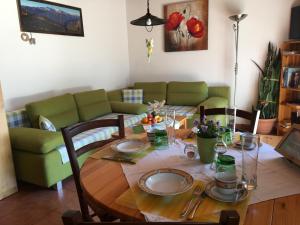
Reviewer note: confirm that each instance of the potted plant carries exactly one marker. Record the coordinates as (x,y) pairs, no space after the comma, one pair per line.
(207,132)
(268,90)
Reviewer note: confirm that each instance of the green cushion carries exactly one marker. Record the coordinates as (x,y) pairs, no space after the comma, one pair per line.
(115,96)
(92,104)
(152,91)
(222,91)
(61,111)
(35,140)
(187,93)
(214,102)
(128,108)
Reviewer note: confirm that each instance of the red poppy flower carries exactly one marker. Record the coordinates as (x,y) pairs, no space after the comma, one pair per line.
(174,21)
(195,27)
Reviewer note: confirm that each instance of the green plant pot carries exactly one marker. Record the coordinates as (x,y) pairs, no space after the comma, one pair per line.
(206,149)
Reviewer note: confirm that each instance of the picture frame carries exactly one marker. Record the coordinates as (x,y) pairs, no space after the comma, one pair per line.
(291,77)
(186,28)
(289,146)
(39,16)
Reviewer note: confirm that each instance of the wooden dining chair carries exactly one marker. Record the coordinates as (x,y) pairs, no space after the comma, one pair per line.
(68,134)
(226,218)
(252,117)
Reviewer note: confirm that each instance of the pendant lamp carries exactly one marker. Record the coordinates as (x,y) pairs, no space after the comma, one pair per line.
(148,20)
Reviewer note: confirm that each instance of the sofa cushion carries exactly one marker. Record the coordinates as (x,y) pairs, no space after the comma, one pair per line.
(187,93)
(60,110)
(133,96)
(35,140)
(214,102)
(46,124)
(92,104)
(115,96)
(153,91)
(129,108)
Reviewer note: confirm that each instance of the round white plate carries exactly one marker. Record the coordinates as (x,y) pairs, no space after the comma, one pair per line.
(129,146)
(166,182)
(212,191)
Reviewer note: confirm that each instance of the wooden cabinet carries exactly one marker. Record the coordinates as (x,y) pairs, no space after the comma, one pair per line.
(289,97)
(8,183)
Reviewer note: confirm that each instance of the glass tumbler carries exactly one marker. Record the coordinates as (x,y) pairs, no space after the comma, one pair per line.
(170,121)
(250,149)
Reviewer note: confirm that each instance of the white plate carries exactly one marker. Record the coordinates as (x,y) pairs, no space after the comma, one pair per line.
(166,182)
(129,146)
(212,191)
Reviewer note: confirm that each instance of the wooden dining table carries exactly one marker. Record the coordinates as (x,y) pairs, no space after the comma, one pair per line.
(103,182)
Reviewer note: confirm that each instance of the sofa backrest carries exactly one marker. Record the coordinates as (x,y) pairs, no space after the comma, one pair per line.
(60,110)
(92,104)
(187,93)
(152,91)
(115,96)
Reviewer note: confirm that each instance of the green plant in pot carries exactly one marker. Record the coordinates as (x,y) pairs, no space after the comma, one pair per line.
(268,90)
(207,134)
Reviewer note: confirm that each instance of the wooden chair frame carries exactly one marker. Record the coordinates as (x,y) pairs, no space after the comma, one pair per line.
(226,218)
(252,117)
(69,132)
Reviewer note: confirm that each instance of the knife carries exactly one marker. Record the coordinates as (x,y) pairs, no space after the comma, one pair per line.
(199,201)
(118,159)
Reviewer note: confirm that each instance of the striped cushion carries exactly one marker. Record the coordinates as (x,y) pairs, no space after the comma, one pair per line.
(133,96)
(18,118)
(46,124)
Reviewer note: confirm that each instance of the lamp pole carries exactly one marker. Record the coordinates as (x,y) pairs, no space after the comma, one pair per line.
(236,28)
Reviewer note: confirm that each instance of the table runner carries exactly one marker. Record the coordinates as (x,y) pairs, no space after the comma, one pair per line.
(277,177)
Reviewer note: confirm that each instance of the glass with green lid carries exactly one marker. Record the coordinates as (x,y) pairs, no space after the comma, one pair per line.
(225,167)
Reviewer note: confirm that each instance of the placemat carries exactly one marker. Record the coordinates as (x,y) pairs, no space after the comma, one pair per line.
(171,207)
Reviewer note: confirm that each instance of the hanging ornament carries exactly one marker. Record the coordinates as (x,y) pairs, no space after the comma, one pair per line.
(150,46)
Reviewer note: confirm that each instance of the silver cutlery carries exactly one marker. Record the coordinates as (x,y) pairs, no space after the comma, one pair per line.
(118,159)
(198,202)
(187,208)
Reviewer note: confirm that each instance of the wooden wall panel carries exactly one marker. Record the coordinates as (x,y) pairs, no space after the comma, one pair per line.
(8,184)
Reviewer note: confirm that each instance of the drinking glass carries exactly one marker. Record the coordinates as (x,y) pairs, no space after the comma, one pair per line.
(250,150)
(170,121)
(220,149)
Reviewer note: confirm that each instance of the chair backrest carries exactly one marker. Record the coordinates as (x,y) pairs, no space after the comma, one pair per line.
(226,218)
(68,134)
(253,117)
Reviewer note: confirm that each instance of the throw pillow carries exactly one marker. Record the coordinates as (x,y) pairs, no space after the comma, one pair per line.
(46,124)
(133,96)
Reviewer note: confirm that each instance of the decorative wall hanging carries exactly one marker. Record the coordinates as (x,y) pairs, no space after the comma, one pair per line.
(150,46)
(52,18)
(186,28)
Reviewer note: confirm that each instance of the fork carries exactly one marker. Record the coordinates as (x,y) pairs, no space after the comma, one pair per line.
(187,208)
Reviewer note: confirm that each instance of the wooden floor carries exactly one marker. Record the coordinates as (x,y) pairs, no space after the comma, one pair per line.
(33,205)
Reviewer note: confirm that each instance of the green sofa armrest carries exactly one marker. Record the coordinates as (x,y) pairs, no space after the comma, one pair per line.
(214,102)
(35,140)
(128,108)
(221,91)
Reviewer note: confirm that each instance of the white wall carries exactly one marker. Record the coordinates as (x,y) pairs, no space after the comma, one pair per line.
(268,20)
(58,64)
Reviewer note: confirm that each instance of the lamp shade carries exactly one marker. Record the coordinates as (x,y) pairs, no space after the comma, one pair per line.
(148,20)
(238,17)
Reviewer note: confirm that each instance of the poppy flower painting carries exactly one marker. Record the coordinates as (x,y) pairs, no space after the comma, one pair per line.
(186,28)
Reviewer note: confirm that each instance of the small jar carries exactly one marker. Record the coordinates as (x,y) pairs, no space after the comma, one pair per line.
(225,168)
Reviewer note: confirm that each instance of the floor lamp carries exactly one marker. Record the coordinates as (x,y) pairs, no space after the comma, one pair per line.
(236,27)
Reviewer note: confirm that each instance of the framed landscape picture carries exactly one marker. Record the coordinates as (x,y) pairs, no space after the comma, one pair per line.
(51,18)
(186,28)
(289,146)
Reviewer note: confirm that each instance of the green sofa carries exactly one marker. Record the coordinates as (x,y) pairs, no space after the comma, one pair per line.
(40,156)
